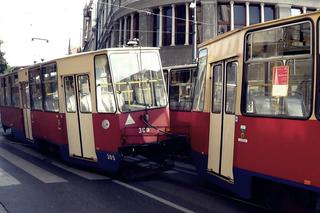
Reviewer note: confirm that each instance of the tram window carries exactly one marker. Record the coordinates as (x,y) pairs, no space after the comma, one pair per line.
(231,87)
(138,85)
(217,89)
(84,94)
(181,89)
(70,94)
(104,89)
(295,97)
(266,94)
(35,89)
(15,98)
(50,85)
(8,91)
(198,101)
(289,40)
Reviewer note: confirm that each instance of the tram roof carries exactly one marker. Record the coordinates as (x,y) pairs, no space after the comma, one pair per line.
(118,49)
(254,26)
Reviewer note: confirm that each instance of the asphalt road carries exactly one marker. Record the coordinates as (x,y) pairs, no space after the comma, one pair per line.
(33,182)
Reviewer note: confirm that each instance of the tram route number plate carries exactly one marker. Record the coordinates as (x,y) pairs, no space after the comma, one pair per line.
(143,130)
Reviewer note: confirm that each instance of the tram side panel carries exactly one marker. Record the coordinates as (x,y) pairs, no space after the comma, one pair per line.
(12,117)
(49,126)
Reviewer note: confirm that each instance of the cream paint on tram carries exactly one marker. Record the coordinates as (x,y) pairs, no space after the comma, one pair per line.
(74,66)
(23,77)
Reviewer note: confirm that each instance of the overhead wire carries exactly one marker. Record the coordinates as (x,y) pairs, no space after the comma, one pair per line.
(148,12)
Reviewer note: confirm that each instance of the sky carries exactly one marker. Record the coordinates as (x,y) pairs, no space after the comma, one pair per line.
(57,21)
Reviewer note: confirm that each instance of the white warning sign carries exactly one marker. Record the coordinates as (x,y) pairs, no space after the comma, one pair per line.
(129,120)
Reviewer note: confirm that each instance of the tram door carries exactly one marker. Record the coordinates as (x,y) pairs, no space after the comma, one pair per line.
(79,116)
(25,97)
(222,119)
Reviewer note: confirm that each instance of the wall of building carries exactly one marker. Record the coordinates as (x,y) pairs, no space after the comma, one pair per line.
(118,21)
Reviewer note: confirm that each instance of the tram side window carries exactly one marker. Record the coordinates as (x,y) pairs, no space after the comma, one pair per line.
(198,101)
(231,87)
(70,94)
(217,88)
(84,94)
(104,89)
(279,86)
(181,89)
(35,89)
(2,91)
(50,88)
(8,91)
(15,98)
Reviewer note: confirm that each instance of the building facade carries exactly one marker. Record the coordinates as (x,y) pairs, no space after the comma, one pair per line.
(169,24)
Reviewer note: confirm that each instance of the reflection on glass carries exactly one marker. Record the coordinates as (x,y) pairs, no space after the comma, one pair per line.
(217,89)
(139,80)
(84,94)
(231,87)
(104,89)
(198,101)
(70,94)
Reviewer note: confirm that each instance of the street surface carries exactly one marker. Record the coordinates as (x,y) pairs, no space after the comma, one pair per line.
(33,182)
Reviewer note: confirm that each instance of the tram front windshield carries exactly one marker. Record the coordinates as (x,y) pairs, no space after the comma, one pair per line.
(138,80)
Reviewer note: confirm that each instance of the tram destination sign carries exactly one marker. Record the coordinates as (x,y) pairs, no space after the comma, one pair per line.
(280,81)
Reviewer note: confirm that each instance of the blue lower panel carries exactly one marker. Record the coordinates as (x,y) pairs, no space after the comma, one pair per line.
(242,178)
(107,162)
(241,185)
(18,134)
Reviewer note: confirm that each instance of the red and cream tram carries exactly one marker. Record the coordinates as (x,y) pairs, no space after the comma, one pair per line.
(256,112)
(94,108)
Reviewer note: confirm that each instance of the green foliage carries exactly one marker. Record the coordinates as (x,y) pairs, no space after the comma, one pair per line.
(3,62)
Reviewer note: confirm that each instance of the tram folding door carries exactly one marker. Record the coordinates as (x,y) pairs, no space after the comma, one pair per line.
(25,96)
(222,119)
(79,116)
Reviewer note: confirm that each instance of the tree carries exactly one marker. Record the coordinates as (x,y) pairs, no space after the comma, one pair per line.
(3,62)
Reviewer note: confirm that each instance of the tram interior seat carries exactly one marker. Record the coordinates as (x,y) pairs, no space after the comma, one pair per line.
(295,106)
(262,105)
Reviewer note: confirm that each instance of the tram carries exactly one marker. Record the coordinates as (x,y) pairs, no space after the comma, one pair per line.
(94,109)
(180,82)
(256,112)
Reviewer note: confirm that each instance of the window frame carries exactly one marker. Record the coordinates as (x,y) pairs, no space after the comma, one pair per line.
(193,81)
(317,98)
(245,60)
(112,83)
(43,82)
(78,93)
(31,91)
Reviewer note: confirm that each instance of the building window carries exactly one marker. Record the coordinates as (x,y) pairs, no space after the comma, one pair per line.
(296,11)
(156,27)
(269,13)
(128,29)
(180,24)
(122,32)
(311,10)
(167,25)
(223,18)
(239,16)
(254,11)
(136,25)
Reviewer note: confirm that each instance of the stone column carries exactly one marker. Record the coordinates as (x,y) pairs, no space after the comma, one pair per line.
(262,12)
(232,15)
(210,19)
(187,29)
(283,10)
(304,10)
(131,26)
(161,25)
(120,32)
(173,25)
(125,30)
(247,13)
(146,29)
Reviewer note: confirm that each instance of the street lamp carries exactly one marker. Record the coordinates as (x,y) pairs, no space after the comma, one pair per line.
(193,5)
